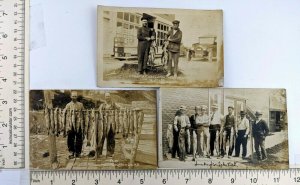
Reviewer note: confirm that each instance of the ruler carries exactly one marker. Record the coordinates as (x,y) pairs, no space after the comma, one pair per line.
(12,92)
(171,177)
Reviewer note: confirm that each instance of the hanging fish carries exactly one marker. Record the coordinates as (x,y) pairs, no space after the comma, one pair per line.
(73,119)
(92,129)
(117,121)
(120,121)
(55,121)
(87,126)
(170,137)
(135,122)
(113,121)
(188,135)
(100,129)
(63,122)
(52,122)
(106,125)
(125,124)
(47,119)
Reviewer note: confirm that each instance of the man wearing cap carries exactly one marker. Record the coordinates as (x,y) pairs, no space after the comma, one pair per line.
(75,130)
(242,131)
(144,40)
(181,124)
(260,130)
(174,38)
(228,132)
(215,125)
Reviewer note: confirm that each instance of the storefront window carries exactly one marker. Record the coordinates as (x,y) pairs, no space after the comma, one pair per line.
(137,19)
(131,18)
(120,15)
(119,24)
(126,16)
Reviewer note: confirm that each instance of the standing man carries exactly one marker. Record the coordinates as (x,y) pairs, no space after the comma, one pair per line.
(174,38)
(242,131)
(181,125)
(195,126)
(75,130)
(204,121)
(260,130)
(215,125)
(144,40)
(109,133)
(228,132)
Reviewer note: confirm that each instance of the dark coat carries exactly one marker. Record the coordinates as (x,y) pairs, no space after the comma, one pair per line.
(174,40)
(260,129)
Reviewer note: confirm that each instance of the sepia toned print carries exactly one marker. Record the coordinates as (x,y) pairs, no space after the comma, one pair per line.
(93,129)
(224,129)
(159,47)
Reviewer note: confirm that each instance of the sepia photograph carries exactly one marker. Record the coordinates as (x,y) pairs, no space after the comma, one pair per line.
(148,47)
(212,128)
(93,129)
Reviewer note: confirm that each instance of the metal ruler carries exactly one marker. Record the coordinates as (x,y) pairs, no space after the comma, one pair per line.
(171,177)
(12,92)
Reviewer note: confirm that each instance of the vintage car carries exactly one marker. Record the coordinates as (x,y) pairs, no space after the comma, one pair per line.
(205,49)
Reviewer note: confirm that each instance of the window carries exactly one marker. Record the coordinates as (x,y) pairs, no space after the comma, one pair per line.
(137,19)
(131,26)
(126,16)
(119,24)
(158,26)
(126,26)
(120,15)
(132,18)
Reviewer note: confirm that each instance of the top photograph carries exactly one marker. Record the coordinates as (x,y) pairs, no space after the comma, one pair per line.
(151,47)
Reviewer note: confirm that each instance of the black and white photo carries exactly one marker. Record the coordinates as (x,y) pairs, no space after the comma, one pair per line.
(223,129)
(151,47)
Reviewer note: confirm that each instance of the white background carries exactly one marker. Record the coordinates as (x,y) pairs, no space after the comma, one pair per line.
(261,43)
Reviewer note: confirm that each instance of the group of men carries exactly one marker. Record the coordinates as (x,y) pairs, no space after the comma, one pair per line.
(146,36)
(76,135)
(207,135)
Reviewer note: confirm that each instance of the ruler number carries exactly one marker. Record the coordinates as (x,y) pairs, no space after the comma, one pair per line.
(96,181)
(209,181)
(164,181)
(141,181)
(232,180)
(5,35)
(276,179)
(4,57)
(4,124)
(4,102)
(186,180)
(297,179)
(119,181)
(253,180)
(73,182)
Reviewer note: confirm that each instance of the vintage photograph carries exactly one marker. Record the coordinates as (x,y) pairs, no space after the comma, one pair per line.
(211,128)
(150,47)
(93,129)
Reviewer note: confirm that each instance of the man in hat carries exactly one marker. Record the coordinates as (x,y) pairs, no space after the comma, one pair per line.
(216,118)
(242,131)
(228,130)
(144,40)
(75,130)
(181,125)
(109,133)
(174,38)
(260,130)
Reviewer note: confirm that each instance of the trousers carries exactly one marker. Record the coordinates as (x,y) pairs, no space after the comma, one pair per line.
(75,141)
(241,140)
(173,56)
